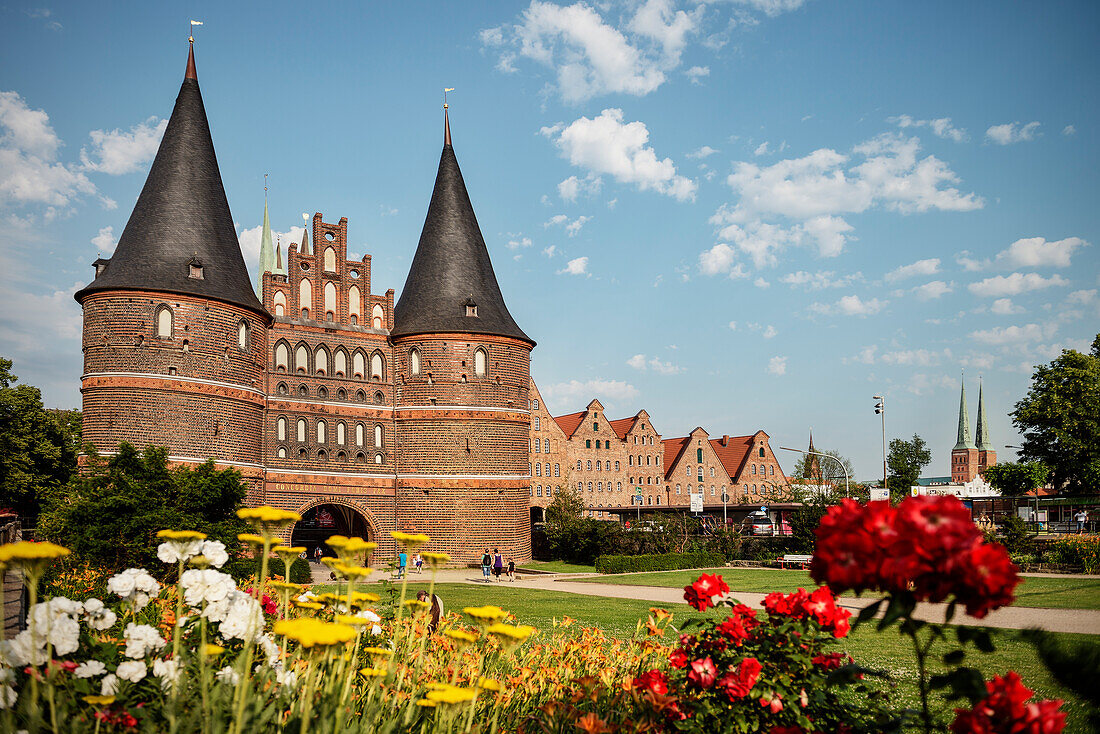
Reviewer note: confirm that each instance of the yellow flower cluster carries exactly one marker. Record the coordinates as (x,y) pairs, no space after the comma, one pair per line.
(311,632)
(486,613)
(410,540)
(182,535)
(26,551)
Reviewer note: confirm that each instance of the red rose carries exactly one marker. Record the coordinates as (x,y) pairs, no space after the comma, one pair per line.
(703,592)
(702,672)
(832,660)
(1005,710)
(678,658)
(738,685)
(653,680)
(739,625)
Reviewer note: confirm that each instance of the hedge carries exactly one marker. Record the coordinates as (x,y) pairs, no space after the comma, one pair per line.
(660,562)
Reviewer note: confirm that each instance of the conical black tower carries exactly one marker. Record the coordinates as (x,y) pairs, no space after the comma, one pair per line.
(451,285)
(181,218)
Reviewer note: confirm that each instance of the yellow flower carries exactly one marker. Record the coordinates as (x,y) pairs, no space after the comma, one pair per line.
(416,604)
(518,633)
(435,560)
(486,613)
(251,539)
(330,562)
(99,700)
(351,572)
(358,545)
(364,597)
(296,550)
(212,651)
(352,620)
(26,551)
(285,585)
(181,535)
(309,605)
(312,632)
(378,652)
(268,520)
(488,684)
(411,540)
(461,636)
(336,542)
(452,695)
(373,672)
(425,703)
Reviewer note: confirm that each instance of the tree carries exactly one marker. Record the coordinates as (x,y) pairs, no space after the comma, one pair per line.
(37,453)
(831,471)
(568,506)
(1060,420)
(904,463)
(110,512)
(1012,479)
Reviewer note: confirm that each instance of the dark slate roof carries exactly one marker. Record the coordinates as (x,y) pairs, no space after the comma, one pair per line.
(451,268)
(181,214)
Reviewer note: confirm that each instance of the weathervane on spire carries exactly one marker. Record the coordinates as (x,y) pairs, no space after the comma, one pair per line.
(191,32)
(445,90)
(265,187)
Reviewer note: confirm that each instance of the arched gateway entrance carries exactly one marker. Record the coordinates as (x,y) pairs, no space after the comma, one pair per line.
(323,521)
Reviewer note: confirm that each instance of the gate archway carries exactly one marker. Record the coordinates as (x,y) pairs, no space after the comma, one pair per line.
(322,520)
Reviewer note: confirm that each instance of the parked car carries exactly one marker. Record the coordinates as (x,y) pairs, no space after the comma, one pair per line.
(758,523)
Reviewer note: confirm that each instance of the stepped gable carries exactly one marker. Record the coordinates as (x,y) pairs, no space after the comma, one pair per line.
(451,286)
(181,218)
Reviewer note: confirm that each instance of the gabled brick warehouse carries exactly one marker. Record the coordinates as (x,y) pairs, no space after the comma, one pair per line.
(364,415)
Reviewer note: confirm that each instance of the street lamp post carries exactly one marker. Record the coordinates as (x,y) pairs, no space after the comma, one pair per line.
(880,409)
(827,456)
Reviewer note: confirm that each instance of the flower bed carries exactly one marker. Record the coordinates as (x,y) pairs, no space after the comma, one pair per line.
(201,654)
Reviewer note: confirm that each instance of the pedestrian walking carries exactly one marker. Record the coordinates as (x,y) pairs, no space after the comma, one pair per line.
(402,562)
(512,569)
(1082,519)
(486,564)
(418,561)
(317,553)
(498,563)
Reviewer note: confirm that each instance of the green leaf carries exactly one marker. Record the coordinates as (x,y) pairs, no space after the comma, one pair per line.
(954,657)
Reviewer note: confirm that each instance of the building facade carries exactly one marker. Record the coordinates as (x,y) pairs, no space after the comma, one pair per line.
(364,415)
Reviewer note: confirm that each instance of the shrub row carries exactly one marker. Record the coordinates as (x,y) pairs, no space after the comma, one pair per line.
(658,562)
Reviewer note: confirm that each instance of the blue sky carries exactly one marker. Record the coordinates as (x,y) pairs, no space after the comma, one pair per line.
(738,215)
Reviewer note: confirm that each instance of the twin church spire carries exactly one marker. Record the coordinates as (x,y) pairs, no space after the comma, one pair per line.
(964,436)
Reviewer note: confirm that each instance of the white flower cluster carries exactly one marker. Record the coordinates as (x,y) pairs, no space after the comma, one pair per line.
(90,669)
(168,671)
(131,670)
(206,585)
(50,623)
(141,639)
(240,616)
(175,551)
(135,585)
(228,676)
(98,616)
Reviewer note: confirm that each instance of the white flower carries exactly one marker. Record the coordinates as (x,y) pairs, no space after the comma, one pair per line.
(214,551)
(90,669)
(206,585)
(141,639)
(98,616)
(131,670)
(228,675)
(240,615)
(271,650)
(168,671)
(286,678)
(7,675)
(109,686)
(7,697)
(135,585)
(24,649)
(174,551)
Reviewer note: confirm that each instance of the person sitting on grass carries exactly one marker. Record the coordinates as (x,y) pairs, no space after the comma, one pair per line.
(437,609)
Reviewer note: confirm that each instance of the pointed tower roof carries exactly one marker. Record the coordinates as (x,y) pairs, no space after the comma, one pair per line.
(811,439)
(279,269)
(181,214)
(964,441)
(982,432)
(267,252)
(304,249)
(451,274)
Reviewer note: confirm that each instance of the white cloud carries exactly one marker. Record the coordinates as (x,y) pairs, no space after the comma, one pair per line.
(118,152)
(1082,296)
(968,263)
(641,362)
(576,266)
(696,73)
(733,326)
(705,152)
(866,355)
(517,241)
(572,187)
(591,57)
(849,306)
(777,366)
(772,7)
(637,362)
(575,226)
(761,283)
(605,145)
(1069,130)
(29,170)
(550,251)
(1000,336)
(769,332)
(913,357)
(250,243)
(576,391)
(105,241)
(819,280)
(932,290)
(941,127)
(1004,307)
(1011,132)
(1036,252)
(930,266)
(1015,284)
(761,149)
(718,259)
(922,384)
(807,195)
(556,220)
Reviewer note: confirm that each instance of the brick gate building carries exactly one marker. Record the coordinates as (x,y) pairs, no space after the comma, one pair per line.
(364,415)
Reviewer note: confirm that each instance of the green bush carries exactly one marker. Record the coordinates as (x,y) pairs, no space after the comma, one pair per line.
(1015,536)
(243,569)
(768,549)
(658,562)
(300,572)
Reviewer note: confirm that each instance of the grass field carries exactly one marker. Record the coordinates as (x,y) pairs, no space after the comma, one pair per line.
(559,567)
(1033,591)
(887,651)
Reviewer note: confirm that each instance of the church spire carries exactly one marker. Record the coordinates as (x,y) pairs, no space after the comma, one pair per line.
(304,249)
(279,269)
(982,432)
(267,251)
(451,286)
(964,441)
(181,219)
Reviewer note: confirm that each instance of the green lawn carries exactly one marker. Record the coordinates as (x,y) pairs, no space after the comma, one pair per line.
(1033,591)
(558,567)
(887,651)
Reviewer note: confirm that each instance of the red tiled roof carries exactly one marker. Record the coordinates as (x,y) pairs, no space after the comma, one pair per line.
(570,423)
(673,448)
(733,454)
(622,426)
